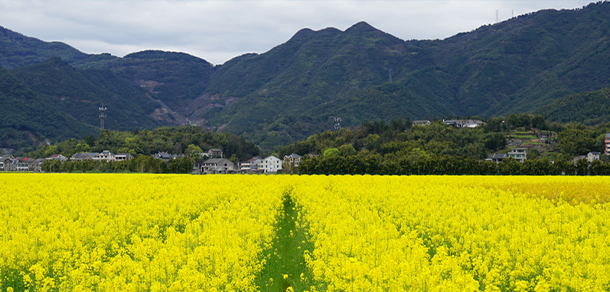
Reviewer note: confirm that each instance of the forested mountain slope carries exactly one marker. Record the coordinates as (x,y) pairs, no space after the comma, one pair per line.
(589,108)
(27,120)
(80,93)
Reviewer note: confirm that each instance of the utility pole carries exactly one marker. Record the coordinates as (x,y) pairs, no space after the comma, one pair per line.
(102,116)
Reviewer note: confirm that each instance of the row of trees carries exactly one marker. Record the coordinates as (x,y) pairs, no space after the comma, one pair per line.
(374,163)
(141,163)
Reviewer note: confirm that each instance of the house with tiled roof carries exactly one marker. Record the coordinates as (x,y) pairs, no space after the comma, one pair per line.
(218,165)
(104,155)
(294,159)
(497,158)
(7,162)
(215,153)
(83,156)
(251,165)
(166,156)
(57,157)
(26,164)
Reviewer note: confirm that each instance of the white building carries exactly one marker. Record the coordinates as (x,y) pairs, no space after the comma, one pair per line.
(270,164)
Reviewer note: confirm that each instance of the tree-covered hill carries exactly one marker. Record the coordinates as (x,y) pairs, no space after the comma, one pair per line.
(27,120)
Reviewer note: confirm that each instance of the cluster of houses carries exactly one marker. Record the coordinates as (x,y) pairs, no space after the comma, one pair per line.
(269,164)
(8,162)
(520,155)
(215,162)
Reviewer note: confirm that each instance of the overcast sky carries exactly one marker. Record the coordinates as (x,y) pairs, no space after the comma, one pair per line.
(220,30)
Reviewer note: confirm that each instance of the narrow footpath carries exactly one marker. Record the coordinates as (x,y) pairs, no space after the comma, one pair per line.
(285,268)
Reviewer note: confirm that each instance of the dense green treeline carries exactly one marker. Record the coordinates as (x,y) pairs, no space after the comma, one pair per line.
(398,147)
(373,163)
(142,163)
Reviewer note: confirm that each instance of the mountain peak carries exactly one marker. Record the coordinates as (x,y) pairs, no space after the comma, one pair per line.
(361,26)
(303,33)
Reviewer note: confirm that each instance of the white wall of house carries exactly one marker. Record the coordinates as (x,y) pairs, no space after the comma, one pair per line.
(271,164)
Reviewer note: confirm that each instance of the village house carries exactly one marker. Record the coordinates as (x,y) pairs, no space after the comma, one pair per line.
(82,156)
(251,165)
(166,156)
(293,159)
(104,155)
(57,157)
(8,163)
(607,144)
(591,156)
(215,153)
(5,160)
(27,164)
(39,163)
(217,165)
(519,154)
(497,158)
(123,156)
(271,164)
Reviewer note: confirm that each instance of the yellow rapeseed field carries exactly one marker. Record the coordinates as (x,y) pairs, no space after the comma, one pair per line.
(460,233)
(136,232)
(143,232)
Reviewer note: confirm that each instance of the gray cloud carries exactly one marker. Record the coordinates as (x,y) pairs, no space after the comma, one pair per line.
(219,30)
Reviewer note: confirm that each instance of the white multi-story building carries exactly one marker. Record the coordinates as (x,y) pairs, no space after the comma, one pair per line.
(270,164)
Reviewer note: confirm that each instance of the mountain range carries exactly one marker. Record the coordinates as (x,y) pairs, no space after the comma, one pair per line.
(542,62)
